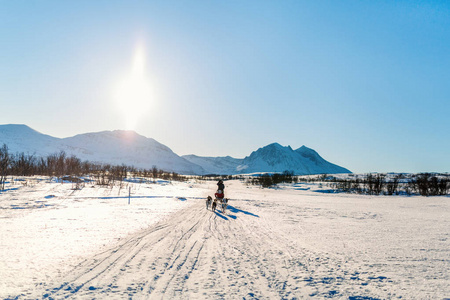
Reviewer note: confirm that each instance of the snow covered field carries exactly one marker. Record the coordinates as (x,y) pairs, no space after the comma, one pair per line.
(285,243)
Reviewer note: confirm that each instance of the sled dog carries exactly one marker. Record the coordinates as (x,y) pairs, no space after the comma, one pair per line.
(214,204)
(224,204)
(208,202)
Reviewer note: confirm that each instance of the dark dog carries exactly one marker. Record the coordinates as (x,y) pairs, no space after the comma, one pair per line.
(208,202)
(214,205)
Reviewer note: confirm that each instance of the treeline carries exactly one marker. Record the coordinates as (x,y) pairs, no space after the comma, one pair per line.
(215,177)
(71,168)
(268,180)
(424,184)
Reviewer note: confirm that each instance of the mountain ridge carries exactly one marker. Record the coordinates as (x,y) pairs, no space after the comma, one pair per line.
(277,158)
(130,148)
(112,147)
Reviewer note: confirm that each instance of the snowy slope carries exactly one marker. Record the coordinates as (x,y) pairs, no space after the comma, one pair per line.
(113,147)
(318,165)
(129,148)
(276,158)
(21,138)
(216,165)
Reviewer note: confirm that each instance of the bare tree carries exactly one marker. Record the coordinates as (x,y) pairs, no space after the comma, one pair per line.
(23,164)
(154,172)
(392,185)
(5,161)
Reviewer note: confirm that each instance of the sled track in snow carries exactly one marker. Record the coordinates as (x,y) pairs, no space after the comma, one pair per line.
(199,254)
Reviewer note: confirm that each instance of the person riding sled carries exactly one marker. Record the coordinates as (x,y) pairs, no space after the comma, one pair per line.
(220,190)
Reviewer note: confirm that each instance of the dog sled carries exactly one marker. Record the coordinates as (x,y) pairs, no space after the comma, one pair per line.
(217,201)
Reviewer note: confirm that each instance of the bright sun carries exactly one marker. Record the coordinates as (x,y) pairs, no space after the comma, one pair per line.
(133,93)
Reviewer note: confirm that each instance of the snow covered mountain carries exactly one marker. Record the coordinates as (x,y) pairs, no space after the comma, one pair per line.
(271,158)
(113,147)
(276,158)
(318,165)
(127,147)
(21,138)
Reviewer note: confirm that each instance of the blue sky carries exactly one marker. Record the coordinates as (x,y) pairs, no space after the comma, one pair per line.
(364,83)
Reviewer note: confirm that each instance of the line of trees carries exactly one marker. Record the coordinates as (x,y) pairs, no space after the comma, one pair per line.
(268,180)
(71,168)
(424,184)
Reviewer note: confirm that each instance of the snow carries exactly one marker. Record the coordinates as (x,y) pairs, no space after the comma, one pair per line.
(46,227)
(215,165)
(288,242)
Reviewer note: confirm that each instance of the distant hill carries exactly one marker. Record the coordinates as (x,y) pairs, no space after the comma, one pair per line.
(129,148)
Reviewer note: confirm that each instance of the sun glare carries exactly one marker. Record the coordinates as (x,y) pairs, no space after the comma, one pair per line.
(133,93)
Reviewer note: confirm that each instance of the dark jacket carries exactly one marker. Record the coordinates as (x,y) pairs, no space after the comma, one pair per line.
(220,186)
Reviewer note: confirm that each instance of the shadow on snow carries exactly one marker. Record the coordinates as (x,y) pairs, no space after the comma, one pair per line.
(11,189)
(219,214)
(237,210)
